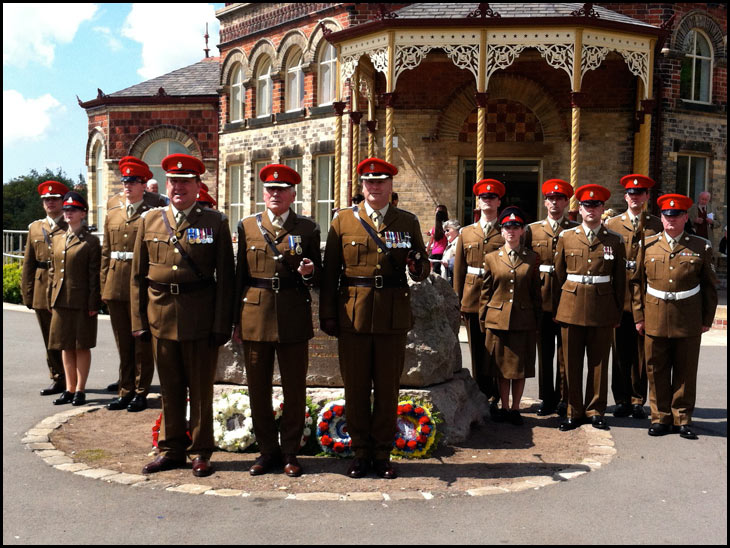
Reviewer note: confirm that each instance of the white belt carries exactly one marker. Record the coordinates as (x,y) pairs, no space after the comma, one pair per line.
(547,268)
(122,255)
(475,270)
(672,295)
(588,279)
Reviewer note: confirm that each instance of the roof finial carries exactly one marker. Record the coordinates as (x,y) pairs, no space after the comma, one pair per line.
(207,49)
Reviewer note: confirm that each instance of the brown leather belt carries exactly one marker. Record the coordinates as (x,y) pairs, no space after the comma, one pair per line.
(177,289)
(274,284)
(374,281)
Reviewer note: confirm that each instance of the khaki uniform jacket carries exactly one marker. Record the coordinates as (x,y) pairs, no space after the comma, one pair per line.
(539,237)
(350,251)
(34,280)
(266,315)
(120,233)
(688,266)
(590,305)
(621,224)
(74,276)
(189,315)
(511,298)
(471,249)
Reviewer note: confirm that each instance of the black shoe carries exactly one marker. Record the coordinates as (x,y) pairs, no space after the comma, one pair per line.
(113,387)
(638,412)
(138,403)
(686,432)
(358,468)
(514,417)
(597,421)
(57,387)
(265,463)
(562,409)
(499,415)
(569,424)
(622,410)
(659,429)
(119,403)
(545,409)
(66,397)
(385,469)
(79,399)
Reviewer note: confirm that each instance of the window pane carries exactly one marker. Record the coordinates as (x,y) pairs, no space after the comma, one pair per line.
(683,175)
(702,81)
(697,177)
(258,166)
(296,165)
(702,48)
(685,78)
(325,191)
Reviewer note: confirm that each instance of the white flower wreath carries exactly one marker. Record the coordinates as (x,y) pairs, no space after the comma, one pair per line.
(232,423)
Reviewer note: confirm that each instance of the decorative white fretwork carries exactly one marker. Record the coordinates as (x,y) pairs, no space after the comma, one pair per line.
(638,62)
(501,57)
(635,50)
(348,65)
(379,58)
(591,58)
(408,58)
(559,56)
(465,57)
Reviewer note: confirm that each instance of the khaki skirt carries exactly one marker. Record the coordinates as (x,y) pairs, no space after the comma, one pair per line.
(72,329)
(511,354)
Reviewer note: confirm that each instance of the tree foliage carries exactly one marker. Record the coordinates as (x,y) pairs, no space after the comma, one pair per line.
(21,203)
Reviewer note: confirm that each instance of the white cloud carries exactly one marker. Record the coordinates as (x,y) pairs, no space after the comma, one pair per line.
(112,41)
(31,32)
(27,119)
(171,37)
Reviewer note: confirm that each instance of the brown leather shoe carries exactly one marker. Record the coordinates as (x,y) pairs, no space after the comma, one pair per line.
(57,387)
(292,468)
(265,464)
(160,464)
(202,467)
(358,468)
(385,469)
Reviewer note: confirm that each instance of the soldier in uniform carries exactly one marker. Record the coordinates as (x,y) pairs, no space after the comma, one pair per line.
(542,237)
(474,242)
(365,300)
(206,199)
(591,271)
(674,297)
(34,277)
(181,294)
(124,213)
(278,260)
(75,297)
(628,381)
(510,310)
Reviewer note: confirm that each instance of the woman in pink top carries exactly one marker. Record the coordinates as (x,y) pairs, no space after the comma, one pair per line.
(438,242)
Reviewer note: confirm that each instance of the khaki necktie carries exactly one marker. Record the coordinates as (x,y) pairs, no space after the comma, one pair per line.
(635,222)
(179,218)
(278,224)
(130,211)
(672,243)
(513,257)
(487,229)
(376,217)
(591,237)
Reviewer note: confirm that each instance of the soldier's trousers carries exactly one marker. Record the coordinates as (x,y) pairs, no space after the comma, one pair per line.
(595,344)
(552,388)
(293,361)
(53,357)
(672,370)
(629,380)
(136,364)
(479,366)
(186,368)
(375,361)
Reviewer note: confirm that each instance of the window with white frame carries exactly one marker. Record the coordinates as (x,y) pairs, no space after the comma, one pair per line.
(327,77)
(696,76)
(236,109)
(294,82)
(264,89)
(257,167)
(325,173)
(235,180)
(99,185)
(691,175)
(296,165)
(154,155)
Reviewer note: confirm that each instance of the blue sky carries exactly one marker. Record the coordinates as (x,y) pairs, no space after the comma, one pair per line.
(55,52)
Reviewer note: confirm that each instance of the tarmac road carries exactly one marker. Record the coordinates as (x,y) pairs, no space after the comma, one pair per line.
(655,491)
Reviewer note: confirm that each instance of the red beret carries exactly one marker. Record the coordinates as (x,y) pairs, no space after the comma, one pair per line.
(129,166)
(206,198)
(183,165)
(489,186)
(375,169)
(279,175)
(637,181)
(674,202)
(557,186)
(52,189)
(592,193)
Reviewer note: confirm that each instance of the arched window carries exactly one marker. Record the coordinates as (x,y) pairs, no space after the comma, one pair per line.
(236,111)
(327,78)
(264,89)
(696,76)
(294,82)
(156,152)
(99,185)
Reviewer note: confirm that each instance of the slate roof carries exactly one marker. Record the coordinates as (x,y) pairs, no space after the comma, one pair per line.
(202,78)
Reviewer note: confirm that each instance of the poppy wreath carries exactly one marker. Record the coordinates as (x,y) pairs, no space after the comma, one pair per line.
(309,412)
(332,430)
(417,433)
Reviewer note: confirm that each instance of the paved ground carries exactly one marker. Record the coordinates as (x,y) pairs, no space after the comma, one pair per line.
(665,490)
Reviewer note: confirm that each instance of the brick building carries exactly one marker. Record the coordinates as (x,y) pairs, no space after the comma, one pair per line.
(448,93)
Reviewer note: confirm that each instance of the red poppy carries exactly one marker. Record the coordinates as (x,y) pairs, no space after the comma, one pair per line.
(400,443)
(323,427)
(327,415)
(338,409)
(425,429)
(339,447)
(412,444)
(326,441)
(419,410)
(424,420)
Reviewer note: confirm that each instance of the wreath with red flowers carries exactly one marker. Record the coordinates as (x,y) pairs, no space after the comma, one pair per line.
(156,431)
(332,432)
(416,437)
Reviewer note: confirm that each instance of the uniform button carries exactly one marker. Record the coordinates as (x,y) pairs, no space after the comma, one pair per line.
(125,235)
(177,250)
(245,299)
(671,281)
(380,250)
(512,271)
(62,270)
(589,272)
(174,267)
(511,290)
(155,240)
(511,281)
(671,256)
(671,268)
(590,260)
(510,300)
(353,243)
(378,266)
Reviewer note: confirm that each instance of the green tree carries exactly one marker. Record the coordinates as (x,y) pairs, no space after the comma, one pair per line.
(21,204)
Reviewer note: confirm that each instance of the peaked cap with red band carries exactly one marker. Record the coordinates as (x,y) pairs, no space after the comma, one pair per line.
(637,182)
(279,176)
(557,186)
(512,215)
(52,189)
(489,186)
(674,204)
(205,198)
(73,199)
(592,193)
(183,165)
(376,169)
(129,166)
